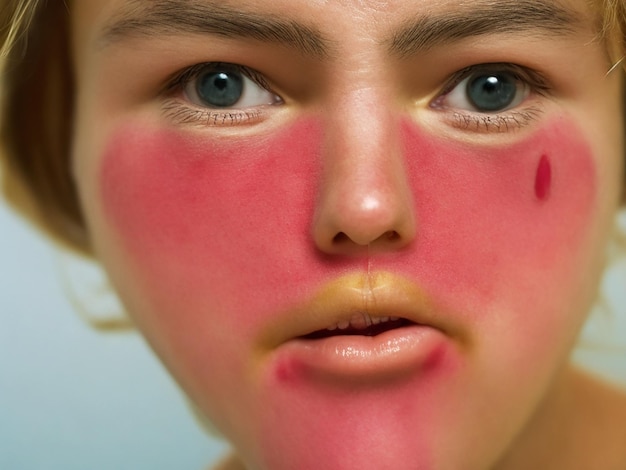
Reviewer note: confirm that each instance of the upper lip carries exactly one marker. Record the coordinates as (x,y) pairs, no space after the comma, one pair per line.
(366,295)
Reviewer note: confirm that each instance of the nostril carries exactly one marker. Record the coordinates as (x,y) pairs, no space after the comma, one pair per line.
(392,236)
(341,238)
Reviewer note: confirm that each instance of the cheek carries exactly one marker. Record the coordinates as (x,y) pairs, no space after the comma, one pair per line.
(214,225)
(503,228)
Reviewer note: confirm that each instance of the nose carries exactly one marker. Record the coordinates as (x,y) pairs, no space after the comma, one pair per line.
(364,199)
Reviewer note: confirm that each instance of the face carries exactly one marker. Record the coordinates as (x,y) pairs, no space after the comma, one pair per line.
(357,232)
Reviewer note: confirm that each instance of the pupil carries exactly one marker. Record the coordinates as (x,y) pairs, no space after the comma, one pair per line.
(220,89)
(491,92)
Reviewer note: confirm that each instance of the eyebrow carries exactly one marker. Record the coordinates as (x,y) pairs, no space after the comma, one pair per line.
(171,17)
(542,18)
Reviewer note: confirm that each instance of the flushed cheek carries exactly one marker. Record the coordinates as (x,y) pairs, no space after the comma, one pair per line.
(502,230)
(215,227)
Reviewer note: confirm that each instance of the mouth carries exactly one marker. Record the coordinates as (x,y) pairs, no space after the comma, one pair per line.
(368,328)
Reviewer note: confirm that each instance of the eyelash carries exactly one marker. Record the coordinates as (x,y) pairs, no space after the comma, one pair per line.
(504,121)
(181,112)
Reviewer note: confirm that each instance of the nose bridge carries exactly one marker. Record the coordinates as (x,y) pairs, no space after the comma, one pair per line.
(362,153)
(364,197)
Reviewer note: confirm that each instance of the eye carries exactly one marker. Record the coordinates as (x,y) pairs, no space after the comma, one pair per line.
(485,91)
(232,86)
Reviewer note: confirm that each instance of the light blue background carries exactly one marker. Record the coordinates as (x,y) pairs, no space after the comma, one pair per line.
(72,398)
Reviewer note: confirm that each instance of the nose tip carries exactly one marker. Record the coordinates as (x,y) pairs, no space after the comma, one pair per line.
(370,223)
(356,214)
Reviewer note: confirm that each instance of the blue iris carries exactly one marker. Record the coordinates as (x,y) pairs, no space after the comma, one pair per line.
(220,89)
(493,92)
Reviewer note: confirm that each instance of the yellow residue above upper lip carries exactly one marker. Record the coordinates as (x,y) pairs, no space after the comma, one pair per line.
(376,293)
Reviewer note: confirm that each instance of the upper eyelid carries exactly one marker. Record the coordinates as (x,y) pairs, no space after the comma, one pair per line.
(182,77)
(533,78)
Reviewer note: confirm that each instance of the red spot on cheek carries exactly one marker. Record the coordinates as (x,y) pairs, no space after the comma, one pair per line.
(543,180)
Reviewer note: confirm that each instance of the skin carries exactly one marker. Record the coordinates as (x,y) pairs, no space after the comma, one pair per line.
(364,190)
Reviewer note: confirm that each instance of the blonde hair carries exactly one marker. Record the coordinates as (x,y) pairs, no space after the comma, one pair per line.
(36,114)
(21,13)
(613,14)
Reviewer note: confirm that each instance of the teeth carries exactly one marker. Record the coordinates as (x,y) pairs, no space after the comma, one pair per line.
(360,321)
(343,325)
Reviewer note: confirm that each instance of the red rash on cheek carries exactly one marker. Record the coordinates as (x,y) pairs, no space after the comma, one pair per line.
(224,223)
(493,217)
(215,223)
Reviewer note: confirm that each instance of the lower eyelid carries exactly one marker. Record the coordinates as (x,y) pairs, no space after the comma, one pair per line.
(494,123)
(181,113)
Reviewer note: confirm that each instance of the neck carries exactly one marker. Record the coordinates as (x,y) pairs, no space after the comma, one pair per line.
(580,424)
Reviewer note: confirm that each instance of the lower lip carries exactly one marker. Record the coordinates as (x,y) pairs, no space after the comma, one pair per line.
(390,355)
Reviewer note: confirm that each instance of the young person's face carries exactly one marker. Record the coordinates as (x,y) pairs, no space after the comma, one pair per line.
(262,190)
